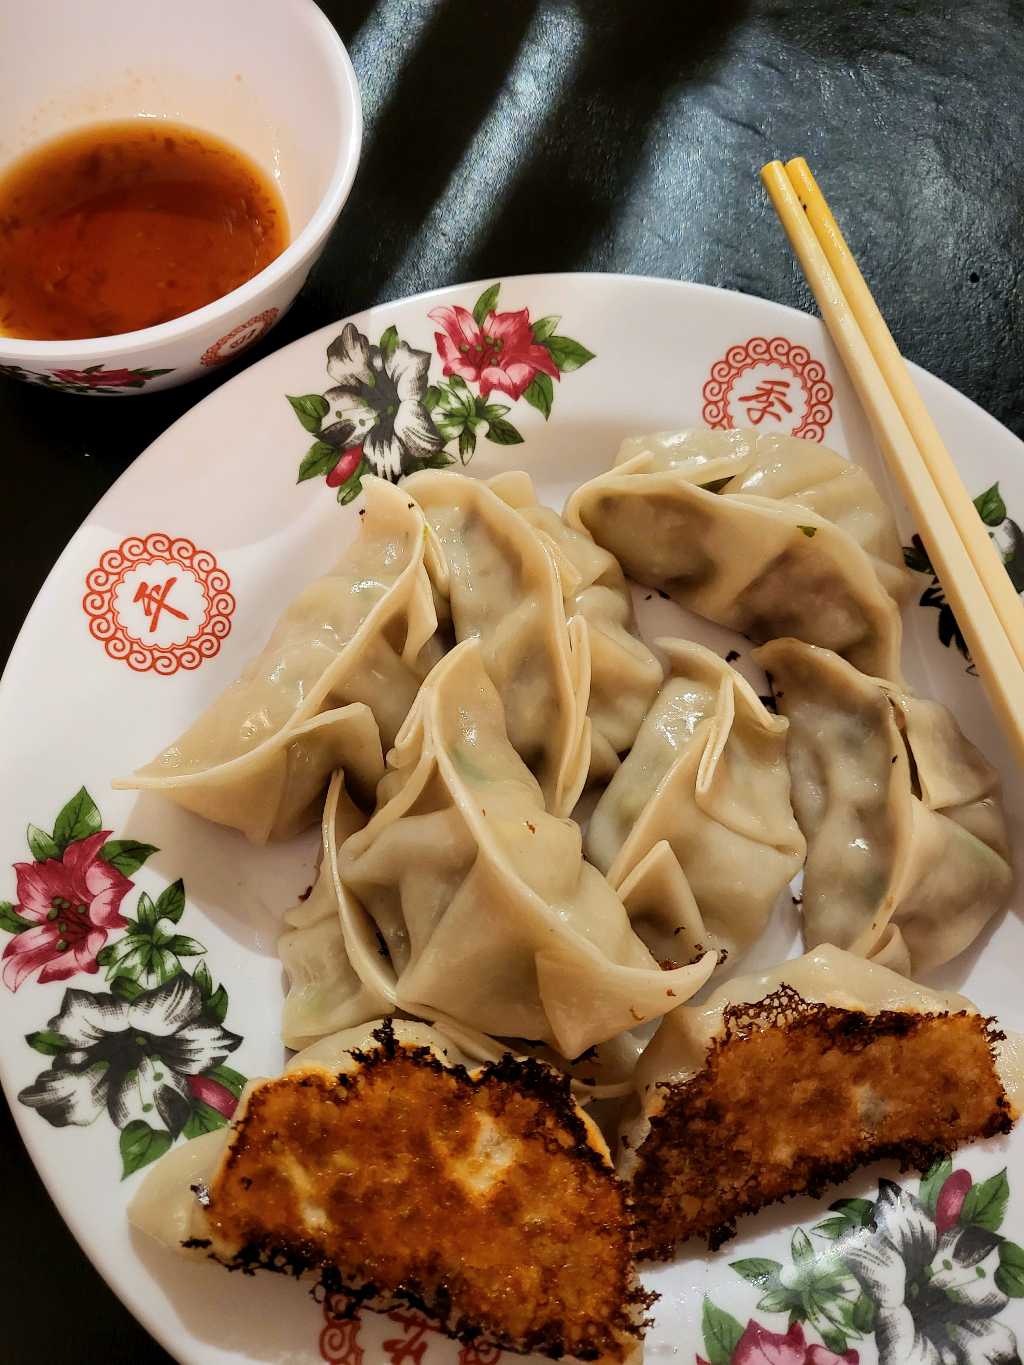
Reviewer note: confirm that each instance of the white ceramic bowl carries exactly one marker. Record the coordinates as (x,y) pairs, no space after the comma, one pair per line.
(270,76)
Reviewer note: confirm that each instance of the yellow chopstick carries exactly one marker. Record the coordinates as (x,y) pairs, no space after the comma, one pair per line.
(983,553)
(993,654)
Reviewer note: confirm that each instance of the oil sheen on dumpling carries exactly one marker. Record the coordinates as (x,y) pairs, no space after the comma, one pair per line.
(624,674)
(766,534)
(504,590)
(695,830)
(907,851)
(343,663)
(482,897)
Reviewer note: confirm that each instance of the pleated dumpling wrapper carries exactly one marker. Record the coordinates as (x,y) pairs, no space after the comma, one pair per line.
(695,830)
(482,897)
(503,588)
(907,855)
(624,674)
(788,1080)
(768,535)
(388,1164)
(329,690)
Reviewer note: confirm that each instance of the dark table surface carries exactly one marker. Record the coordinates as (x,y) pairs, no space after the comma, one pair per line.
(583,135)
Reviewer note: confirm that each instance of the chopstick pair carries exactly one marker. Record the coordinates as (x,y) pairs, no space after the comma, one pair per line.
(973,577)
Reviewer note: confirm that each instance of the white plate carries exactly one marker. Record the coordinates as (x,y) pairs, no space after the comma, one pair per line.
(104,674)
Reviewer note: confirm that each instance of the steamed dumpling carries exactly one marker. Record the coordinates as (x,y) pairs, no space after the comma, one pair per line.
(331,686)
(766,534)
(624,674)
(504,590)
(482,898)
(907,851)
(695,830)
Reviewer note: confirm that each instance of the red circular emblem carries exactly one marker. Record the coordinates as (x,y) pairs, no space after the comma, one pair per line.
(245,334)
(158,603)
(769,383)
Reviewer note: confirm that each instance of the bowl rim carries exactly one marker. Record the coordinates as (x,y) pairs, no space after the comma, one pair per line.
(350,113)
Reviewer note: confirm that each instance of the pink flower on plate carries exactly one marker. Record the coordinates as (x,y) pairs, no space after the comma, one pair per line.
(73,902)
(214,1094)
(501,354)
(93,379)
(758,1346)
(951,1201)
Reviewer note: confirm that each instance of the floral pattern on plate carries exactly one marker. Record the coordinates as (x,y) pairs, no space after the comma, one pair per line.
(151,1050)
(390,420)
(1009,541)
(93,379)
(926,1275)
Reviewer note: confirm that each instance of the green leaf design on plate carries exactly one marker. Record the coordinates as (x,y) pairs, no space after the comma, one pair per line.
(146,912)
(216,1007)
(171,902)
(49,1043)
(183,946)
(201,976)
(10,921)
(486,303)
(544,327)
(802,1248)
(140,1145)
(721,1333)
(203,1119)
(568,354)
(540,393)
(318,460)
(126,988)
(40,844)
(127,855)
(431,397)
(77,820)
(758,1270)
(985,1205)
(227,1077)
(932,1183)
(310,409)
(388,342)
(857,1212)
(467,444)
(503,433)
(1010,1275)
(991,507)
(864,1315)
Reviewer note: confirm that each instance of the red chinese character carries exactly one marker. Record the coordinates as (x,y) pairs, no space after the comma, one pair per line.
(413,1346)
(768,395)
(154,601)
(339,1340)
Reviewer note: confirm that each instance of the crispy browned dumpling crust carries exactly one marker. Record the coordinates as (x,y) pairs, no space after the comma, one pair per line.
(477,1198)
(795,1097)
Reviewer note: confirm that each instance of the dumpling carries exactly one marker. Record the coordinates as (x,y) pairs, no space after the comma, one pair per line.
(624,674)
(325,991)
(504,590)
(343,662)
(766,534)
(907,850)
(388,1164)
(787,1081)
(487,909)
(695,830)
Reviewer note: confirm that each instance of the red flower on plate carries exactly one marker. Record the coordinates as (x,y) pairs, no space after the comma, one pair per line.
(951,1200)
(97,379)
(72,902)
(214,1094)
(501,354)
(758,1346)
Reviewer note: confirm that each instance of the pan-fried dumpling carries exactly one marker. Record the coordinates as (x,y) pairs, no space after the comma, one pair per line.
(766,534)
(389,1165)
(695,830)
(907,852)
(624,674)
(344,661)
(487,909)
(790,1079)
(504,590)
